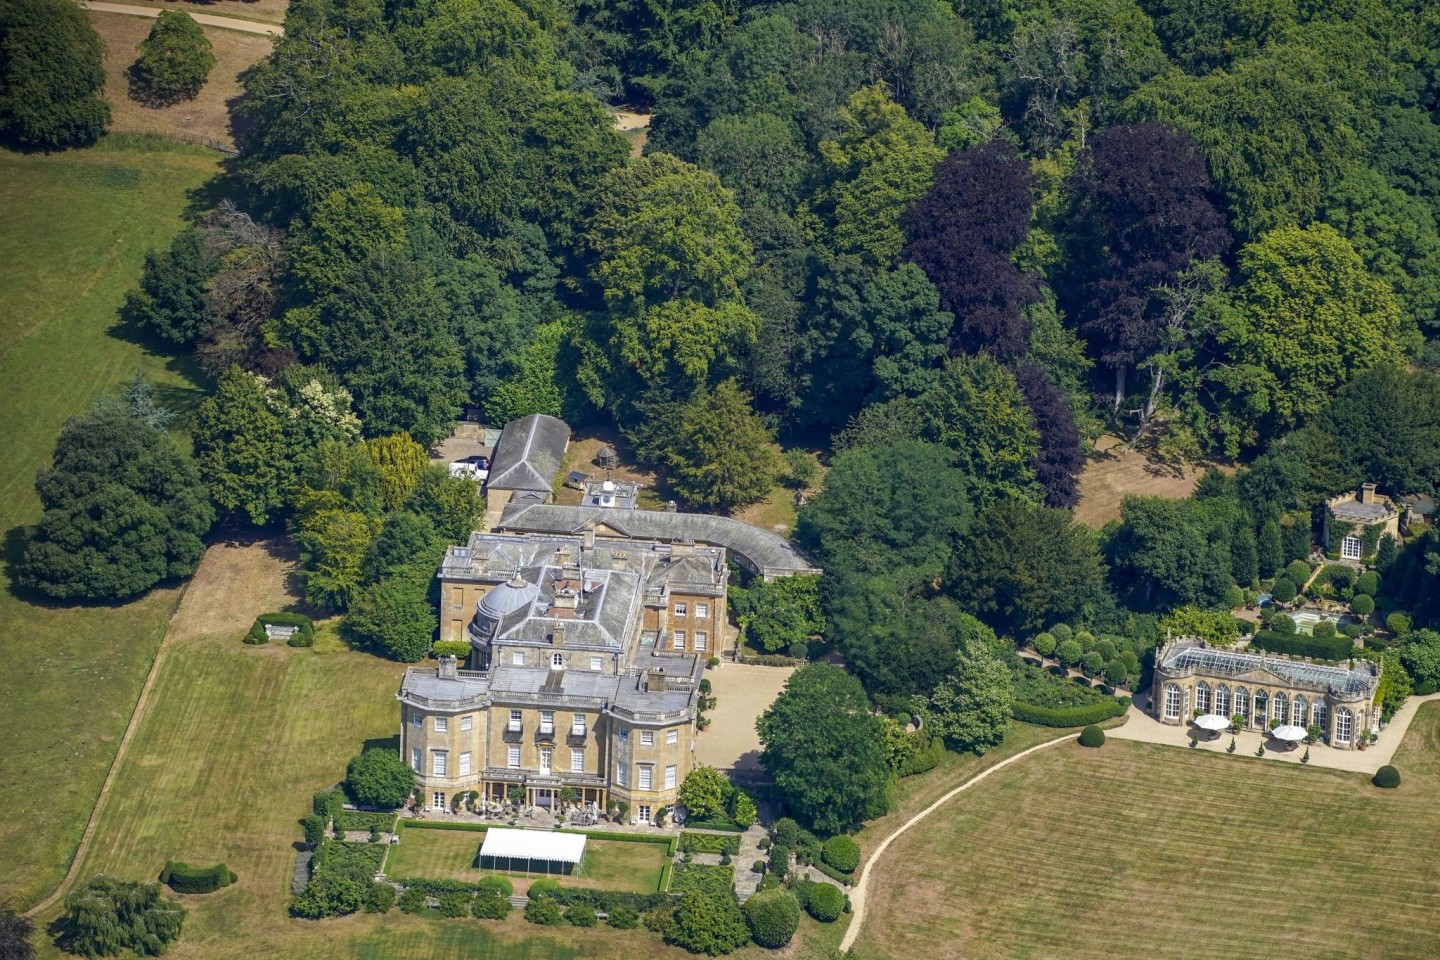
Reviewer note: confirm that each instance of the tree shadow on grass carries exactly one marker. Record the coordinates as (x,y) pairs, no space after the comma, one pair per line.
(391,744)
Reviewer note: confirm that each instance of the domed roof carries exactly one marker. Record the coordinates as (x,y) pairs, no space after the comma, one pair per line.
(515,594)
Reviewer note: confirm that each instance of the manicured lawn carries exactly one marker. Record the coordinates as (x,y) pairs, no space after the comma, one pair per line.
(608,864)
(1136,850)
(74,234)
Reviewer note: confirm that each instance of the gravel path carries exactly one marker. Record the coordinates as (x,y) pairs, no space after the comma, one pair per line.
(204,19)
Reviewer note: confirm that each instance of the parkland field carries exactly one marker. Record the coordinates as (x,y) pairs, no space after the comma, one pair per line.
(1137,850)
(76,229)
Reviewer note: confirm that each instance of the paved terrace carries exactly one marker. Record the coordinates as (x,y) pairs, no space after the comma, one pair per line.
(1142,727)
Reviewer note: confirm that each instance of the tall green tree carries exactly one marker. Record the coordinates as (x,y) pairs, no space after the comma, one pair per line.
(823,748)
(970,708)
(240,447)
(721,457)
(16,930)
(976,410)
(52,76)
(108,915)
(124,510)
(708,923)
(1307,317)
(175,60)
(170,301)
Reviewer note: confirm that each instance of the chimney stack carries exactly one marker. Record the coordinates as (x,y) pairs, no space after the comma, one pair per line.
(1367,493)
(655,681)
(449,668)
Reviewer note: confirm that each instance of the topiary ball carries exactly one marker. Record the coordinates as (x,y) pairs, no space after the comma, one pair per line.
(1387,777)
(1363,604)
(1092,736)
(773,916)
(842,853)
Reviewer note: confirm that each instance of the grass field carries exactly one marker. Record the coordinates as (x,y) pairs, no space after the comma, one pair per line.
(1112,472)
(1136,850)
(204,119)
(72,240)
(608,864)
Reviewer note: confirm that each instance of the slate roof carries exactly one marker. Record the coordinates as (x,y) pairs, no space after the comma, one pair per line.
(528,453)
(760,550)
(1361,512)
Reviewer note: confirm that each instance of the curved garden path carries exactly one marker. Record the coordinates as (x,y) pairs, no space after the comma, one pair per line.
(204,19)
(862,886)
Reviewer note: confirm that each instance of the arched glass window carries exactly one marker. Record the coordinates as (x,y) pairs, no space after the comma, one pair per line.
(1262,704)
(1172,702)
(1202,697)
(1344,725)
(1280,707)
(1222,700)
(1242,703)
(1319,714)
(1299,712)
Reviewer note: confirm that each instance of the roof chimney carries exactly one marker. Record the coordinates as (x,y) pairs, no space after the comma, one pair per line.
(1367,493)
(449,668)
(655,681)
(557,635)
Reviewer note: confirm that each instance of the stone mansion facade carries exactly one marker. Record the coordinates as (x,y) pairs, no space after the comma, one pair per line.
(584,670)
(1191,676)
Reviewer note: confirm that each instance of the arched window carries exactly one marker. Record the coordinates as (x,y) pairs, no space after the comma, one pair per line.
(1319,714)
(1172,702)
(1280,707)
(1222,700)
(1344,725)
(557,661)
(1262,703)
(1202,697)
(1299,712)
(1242,703)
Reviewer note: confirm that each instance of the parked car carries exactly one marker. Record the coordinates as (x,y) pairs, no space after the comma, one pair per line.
(476,468)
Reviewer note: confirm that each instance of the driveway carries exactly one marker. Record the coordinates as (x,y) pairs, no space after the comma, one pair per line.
(204,19)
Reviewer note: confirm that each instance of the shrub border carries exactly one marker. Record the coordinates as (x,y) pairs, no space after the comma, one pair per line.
(1080,716)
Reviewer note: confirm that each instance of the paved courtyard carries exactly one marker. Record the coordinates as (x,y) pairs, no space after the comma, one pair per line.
(1142,727)
(744,691)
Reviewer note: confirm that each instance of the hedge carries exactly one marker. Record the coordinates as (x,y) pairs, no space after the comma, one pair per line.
(670,841)
(707,879)
(709,843)
(926,758)
(773,916)
(460,649)
(1070,716)
(1387,777)
(445,825)
(770,660)
(355,820)
(1092,736)
(303,638)
(607,901)
(715,823)
(183,878)
(328,804)
(841,878)
(1319,648)
(825,902)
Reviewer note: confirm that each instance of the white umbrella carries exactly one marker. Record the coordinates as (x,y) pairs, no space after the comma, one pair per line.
(1288,733)
(1212,721)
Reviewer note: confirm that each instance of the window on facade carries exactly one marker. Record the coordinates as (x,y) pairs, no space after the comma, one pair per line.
(512,760)
(702,640)
(547,759)
(647,738)
(557,661)
(577,725)
(442,724)
(547,721)
(415,759)
(1172,702)
(516,720)
(1280,707)
(624,734)
(1202,697)
(1299,712)
(671,772)
(437,764)
(437,801)
(1320,714)
(1350,548)
(679,609)
(465,764)
(702,611)
(1262,706)
(1222,700)
(622,775)
(647,777)
(467,723)
(644,815)
(577,761)
(595,663)
(1344,725)
(672,737)
(517,658)
(457,596)
(1242,703)
(417,718)
(679,639)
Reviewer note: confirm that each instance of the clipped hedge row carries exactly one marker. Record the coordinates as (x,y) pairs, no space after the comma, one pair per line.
(1299,645)
(844,879)
(923,759)
(304,637)
(709,843)
(607,901)
(445,825)
(1070,716)
(355,820)
(183,878)
(770,660)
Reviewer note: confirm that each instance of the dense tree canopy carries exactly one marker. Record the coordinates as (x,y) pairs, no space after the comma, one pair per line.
(52,76)
(175,59)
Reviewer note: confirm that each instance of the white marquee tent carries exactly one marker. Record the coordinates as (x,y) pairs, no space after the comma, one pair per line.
(532,846)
